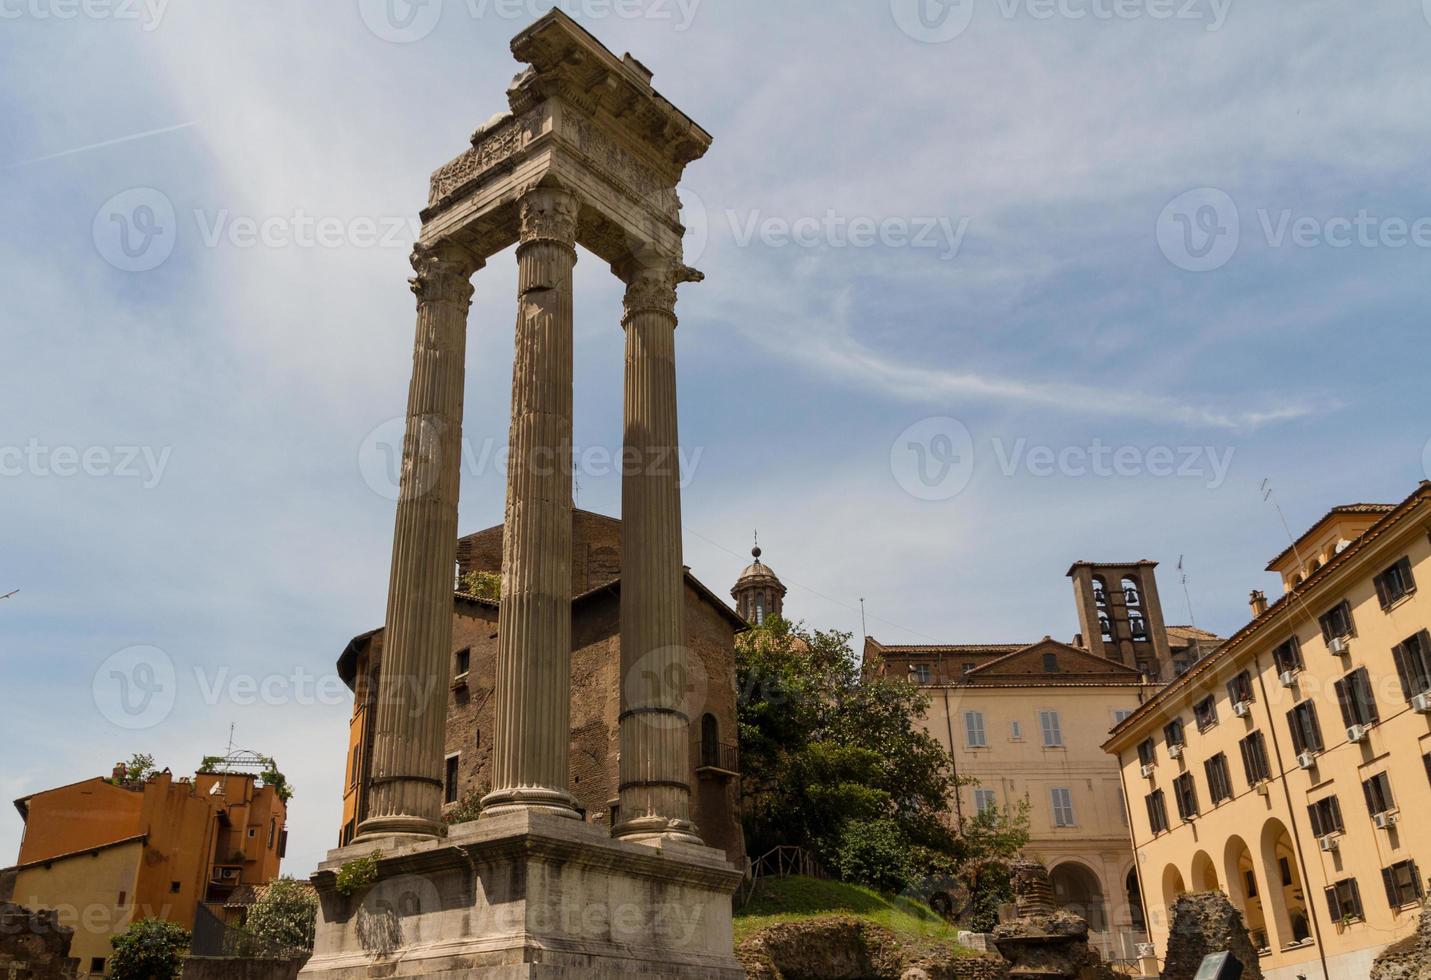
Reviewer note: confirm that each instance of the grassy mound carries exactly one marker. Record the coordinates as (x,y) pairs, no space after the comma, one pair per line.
(785,900)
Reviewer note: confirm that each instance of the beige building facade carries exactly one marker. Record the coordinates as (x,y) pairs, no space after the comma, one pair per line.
(1288,768)
(1026,722)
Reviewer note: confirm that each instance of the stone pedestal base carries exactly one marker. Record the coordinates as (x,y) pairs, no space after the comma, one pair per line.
(527,895)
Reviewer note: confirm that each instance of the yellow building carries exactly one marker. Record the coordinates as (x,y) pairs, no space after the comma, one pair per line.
(1027,722)
(1286,768)
(107,852)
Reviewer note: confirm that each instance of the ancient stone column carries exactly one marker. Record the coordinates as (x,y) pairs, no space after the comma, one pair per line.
(411,711)
(530,744)
(655,663)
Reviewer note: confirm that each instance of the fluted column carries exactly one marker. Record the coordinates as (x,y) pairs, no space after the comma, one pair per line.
(655,724)
(411,711)
(533,687)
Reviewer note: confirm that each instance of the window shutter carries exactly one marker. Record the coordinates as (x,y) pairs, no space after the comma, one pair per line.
(1336,810)
(1368,696)
(1334,905)
(1299,744)
(1406,577)
(1403,668)
(1317,829)
(1388,878)
(1347,613)
(1370,799)
(1344,702)
(1382,595)
(1314,728)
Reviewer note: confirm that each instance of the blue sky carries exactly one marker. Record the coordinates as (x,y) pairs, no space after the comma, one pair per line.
(964,243)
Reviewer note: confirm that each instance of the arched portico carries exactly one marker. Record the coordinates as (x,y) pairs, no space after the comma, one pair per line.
(1077,889)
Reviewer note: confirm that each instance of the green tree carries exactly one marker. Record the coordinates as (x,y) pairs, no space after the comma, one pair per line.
(151,949)
(272,777)
(285,917)
(484,585)
(139,768)
(833,759)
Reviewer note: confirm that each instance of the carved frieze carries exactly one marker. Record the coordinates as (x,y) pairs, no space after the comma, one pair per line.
(495,146)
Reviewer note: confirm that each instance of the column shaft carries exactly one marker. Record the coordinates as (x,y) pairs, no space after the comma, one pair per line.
(531,741)
(411,710)
(657,678)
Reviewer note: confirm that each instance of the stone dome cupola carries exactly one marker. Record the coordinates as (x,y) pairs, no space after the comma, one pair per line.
(758,593)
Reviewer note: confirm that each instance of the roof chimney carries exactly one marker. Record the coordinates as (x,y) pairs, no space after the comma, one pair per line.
(120,771)
(1259,603)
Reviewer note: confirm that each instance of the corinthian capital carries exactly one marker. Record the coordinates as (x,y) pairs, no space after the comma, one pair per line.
(444,272)
(651,286)
(549,214)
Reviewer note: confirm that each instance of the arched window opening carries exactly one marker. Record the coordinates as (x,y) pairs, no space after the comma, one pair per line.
(1131,593)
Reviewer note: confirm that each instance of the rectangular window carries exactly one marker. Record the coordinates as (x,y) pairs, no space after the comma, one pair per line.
(1413,664)
(1403,884)
(1378,794)
(174,887)
(1306,730)
(1157,811)
(1250,880)
(1326,817)
(1344,901)
(985,800)
(1357,702)
(967,668)
(1050,663)
(1288,656)
(1338,622)
(1052,729)
(1239,689)
(1121,715)
(1395,583)
(922,674)
(464,661)
(449,783)
(1185,792)
(272,831)
(96,965)
(1147,752)
(974,730)
(1174,734)
(1016,731)
(1205,712)
(1062,807)
(1219,778)
(1254,758)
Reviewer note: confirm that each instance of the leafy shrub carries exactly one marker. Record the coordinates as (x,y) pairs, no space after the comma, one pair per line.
(285,917)
(151,949)
(359,873)
(874,853)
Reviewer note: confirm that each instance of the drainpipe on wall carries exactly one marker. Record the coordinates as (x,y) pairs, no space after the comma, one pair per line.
(1292,818)
(949,724)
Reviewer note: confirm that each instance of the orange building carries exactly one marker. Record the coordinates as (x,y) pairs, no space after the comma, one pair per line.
(105,852)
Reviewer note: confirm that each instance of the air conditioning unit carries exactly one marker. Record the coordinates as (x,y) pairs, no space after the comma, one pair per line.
(1148,770)
(1242,709)
(1384,819)
(1175,751)
(1356,733)
(1422,703)
(1288,678)
(1306,760)
(1261,787)
(1328,843)
(1339,646)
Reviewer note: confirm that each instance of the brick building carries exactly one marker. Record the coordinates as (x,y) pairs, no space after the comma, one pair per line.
(595,688)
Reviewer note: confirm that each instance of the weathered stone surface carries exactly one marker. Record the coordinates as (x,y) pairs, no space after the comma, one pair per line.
(1043,941)
(846,948)
(1409,959)
(33,945)
(1207,923)
(237,968)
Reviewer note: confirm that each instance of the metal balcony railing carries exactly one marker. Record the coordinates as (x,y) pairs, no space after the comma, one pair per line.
(724,756)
